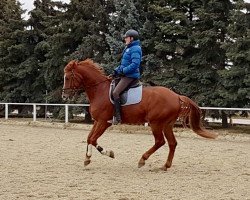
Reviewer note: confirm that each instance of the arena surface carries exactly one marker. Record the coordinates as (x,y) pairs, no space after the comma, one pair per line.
(46,162)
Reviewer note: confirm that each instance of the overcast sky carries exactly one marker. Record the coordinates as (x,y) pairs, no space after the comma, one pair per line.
(28,4)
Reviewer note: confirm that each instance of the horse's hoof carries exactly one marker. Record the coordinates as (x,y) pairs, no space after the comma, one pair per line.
(141,163)
(86,162)
(111,154)
(164,168)
(168,164)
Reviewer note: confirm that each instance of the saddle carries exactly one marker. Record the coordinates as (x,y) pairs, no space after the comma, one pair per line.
(131,95)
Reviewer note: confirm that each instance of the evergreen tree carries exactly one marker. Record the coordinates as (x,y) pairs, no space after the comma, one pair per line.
(12,50)
(125,16)
(197,48)
(206,56)
(45,22)
(28,54)
(79,35)
(93,18)
(38,30)
(234,90)
(167,42)
(186,48)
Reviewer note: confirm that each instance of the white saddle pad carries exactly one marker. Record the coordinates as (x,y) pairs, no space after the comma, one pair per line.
(132,96)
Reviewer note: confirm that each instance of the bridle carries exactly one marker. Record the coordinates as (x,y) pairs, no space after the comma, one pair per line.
(74,79)
(72,86)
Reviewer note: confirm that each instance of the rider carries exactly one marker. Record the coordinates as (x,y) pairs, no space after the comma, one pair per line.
(128,70)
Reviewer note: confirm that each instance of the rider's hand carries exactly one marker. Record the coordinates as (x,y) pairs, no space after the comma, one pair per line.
(111,76)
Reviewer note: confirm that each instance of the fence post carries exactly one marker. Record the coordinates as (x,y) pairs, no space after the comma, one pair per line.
(6,111)
(34,112)
(66,113)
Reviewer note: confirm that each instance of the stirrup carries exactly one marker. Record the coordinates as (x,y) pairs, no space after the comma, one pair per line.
(114,121)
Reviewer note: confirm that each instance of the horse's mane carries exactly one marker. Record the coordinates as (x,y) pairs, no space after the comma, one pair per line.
(90,63)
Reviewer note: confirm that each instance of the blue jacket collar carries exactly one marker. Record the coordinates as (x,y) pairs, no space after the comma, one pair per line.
(136,42)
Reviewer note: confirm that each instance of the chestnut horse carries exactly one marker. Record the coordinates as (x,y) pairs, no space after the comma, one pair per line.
(160,107)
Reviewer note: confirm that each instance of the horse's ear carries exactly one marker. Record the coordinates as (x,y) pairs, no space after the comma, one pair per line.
(71,65)
(74,64)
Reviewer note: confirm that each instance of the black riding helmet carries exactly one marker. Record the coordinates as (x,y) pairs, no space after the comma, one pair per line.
(132,33)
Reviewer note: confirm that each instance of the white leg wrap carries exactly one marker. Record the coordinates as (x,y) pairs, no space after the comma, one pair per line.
(103,151)
(106,153)
(89,150)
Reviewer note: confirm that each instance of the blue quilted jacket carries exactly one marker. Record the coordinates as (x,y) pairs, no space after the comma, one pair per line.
(131,60)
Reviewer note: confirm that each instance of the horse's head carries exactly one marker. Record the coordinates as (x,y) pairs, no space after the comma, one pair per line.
(84,75)
(72,80)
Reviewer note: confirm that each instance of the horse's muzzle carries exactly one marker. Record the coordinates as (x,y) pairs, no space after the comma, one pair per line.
(70,94)
(66,95)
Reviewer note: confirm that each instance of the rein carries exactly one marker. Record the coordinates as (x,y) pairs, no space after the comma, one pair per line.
(93,85)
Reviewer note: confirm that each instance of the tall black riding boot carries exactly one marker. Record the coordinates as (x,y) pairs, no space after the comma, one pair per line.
(117,114)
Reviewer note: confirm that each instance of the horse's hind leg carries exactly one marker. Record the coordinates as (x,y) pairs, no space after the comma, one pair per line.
(172,143)
(157,130)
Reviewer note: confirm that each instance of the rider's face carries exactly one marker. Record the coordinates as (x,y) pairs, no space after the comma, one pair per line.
(128,40)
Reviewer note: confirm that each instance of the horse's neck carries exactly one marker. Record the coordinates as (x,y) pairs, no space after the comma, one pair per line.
(94,84)
(98,91)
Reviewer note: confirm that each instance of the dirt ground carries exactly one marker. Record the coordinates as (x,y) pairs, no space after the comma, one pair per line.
(45,161)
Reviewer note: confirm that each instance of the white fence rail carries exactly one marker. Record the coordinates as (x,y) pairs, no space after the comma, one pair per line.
(42,104)
(86,105)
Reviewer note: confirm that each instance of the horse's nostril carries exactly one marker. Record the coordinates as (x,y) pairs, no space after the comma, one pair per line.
(64,97)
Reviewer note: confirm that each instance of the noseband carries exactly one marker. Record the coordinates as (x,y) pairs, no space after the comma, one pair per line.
(72,86)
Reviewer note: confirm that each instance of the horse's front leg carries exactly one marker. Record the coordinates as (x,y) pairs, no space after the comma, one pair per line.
(97,130)
(89,148)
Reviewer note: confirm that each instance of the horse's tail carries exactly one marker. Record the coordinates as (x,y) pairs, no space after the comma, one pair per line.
(190,111)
